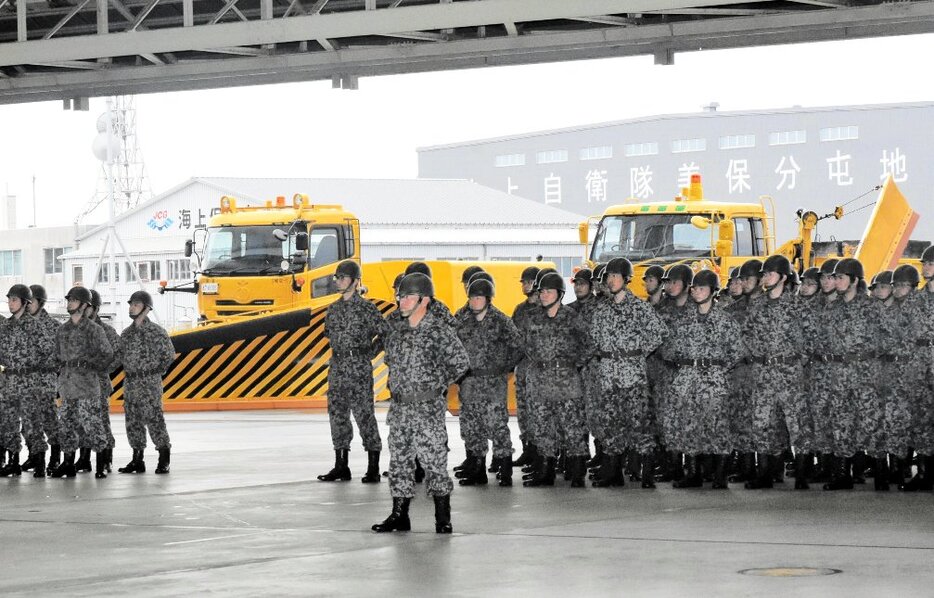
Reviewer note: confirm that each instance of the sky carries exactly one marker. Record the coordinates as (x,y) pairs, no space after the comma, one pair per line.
(312,130)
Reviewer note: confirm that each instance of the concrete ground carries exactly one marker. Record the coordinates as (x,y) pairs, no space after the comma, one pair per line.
(242,514)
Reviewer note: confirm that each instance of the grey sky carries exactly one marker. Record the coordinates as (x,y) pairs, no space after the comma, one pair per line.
(311,130)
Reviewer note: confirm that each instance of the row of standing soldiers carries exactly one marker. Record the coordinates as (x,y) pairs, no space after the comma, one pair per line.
(55,385)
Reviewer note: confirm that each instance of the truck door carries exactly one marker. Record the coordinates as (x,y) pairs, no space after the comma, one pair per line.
(326,247)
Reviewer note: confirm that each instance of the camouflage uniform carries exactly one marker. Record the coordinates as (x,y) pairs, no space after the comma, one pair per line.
(46,389)
(695,421)
(659,372)
(521,316)
(922,401)
(20,357)
(815,315)
(896,383)
(494,347)
(423,361)
(351,327)
(104,376)
(442,311)
(556,348)
(773,339)
(741,401)
(624,333)
(83,350)
(146,352)
(585,310)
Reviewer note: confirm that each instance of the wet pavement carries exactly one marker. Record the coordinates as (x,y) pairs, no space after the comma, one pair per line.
(242,514)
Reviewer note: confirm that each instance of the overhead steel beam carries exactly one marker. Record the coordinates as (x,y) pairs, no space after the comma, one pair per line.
(71,14)
(142,15)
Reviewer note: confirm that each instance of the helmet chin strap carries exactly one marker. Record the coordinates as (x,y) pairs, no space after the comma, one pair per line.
(552,304)
(768,288)
(707,300)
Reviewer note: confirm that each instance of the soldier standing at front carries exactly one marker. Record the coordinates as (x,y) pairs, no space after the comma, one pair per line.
(351,325)
(46,391)
(146,353)
(93,313)
(520,317)
(424,358)
(83,350)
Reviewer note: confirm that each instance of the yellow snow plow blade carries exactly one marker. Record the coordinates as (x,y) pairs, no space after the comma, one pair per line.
(887,232)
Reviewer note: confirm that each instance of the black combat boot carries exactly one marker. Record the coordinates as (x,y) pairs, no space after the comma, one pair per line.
(803,463)
(39,469)
(599,461)
(611,474)
(635,466)
(763,476)
(527,456)
(100,463)
(648,471)
(83,464)
(66,469)
(165,455)
(561,461)
(2,456)
(578,466)
(922,480)
(464,463)
(860,463)
(745,468)
(108,460)
(529,472)
(30,463)
(340,471)
(55,457)
(443,514)
(896,470)
(475,473)
(398,520)
(494,465)
(505,472)
(419,472)
(823,472)
(136,465)
(12,468)
(597,454)
(777,468)
(692,474)
(841,479)
(473,462)
(719,472)
(881,479)
(545,476)
(372,468)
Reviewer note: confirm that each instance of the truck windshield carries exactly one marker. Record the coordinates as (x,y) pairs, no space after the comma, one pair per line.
(641,237)
(245,250)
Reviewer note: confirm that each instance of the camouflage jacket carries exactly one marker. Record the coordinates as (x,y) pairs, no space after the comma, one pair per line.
(922,307)
(772,328)
(146,349)
(18,347)
(562,338)
(585,307)
(630,325)
(441,311)
(45,341)
(426,358)
(714,336)
(85,343)
(352,326)
(493,344)
(523,312)
(114,339)
(850,328)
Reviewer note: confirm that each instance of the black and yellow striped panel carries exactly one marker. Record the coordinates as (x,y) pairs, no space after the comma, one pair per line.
(280,357)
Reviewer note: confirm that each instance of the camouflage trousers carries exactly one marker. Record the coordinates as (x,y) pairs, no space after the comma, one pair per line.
(818,394)
(142,405)
(418,430)
(10,419)
(850,392)
(695,417)
(740,408)
(560,423)
(353,401)
(922,402)
(625,419)
(41,410)
(32,410)
(591,386)
(780,415)
(659,375)
(523,414)
(80,413)
(106,390)
(484,416)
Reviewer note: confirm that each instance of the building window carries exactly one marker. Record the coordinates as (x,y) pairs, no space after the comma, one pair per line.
(53,262)
(641,149)
(506,160)
(148,271)
(551,156)
(11,262)
(737,141)
(839,133)
(596,153)
(679,146)
(104,274)
(178,269)
(788,137)
(564,265)
(77,274)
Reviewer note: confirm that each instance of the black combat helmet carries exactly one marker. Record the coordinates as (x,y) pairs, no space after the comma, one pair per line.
(778,264)
(551,281)
(751,267)
(680,272)
(884,277)
(481,275)
(827,268)
(851,267)
(530,274)
(599,273)
(348,268)
(811,273)
(38,293)
(654,271)
(95,299)
(468,272)
(707,278)
(583,275)
(143,297)
(907,273)
(79,294)
(734,274)
(420,267)
(398,279)
(621,266)
(481,288)
(541,274)
(416,283)
(928,254)
(21,292)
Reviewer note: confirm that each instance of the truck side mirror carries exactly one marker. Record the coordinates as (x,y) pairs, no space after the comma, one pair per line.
(189,247)
(583,232)
(725,232)
(301,241)
(700,222)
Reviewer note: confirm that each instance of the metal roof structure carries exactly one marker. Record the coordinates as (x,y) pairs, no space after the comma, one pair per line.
(75,49)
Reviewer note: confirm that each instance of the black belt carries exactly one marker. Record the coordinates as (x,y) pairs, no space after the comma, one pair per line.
(360,352)
(78,364)
(486,373)
(775,360)
(838,358)
(556,364)
(19,371)
(415,397)
(619,354)
(699,363)
(925,342)
(135,375)
(892,358)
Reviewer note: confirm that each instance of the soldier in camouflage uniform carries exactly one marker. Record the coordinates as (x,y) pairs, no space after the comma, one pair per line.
(351,324)
(93,313)
(652,279)
(773,340)
(436,307)
(46,391)
(810,284)
(520,317)
(624,330)
(584,304)
(734,288)
(557,346)
(83,350)
(703,346)
(494,347)
(852,332)
(424,357)
(146,353)
(20,358)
